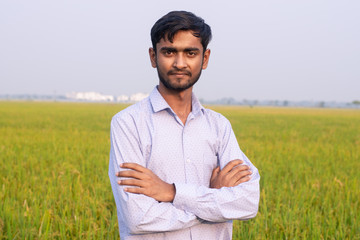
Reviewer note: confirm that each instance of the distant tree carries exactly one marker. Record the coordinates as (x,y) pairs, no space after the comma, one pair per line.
(356,102)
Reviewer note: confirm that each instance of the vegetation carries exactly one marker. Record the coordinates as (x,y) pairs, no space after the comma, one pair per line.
(54,161)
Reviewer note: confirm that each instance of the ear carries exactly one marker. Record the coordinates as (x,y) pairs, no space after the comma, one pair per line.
(206,59)
(152,55)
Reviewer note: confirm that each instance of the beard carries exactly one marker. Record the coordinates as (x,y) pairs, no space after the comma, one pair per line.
(176,86)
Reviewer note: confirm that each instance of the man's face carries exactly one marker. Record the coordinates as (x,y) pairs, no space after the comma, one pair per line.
(179,64)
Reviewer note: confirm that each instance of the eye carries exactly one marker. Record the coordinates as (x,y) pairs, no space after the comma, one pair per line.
(168,52)
(191,53)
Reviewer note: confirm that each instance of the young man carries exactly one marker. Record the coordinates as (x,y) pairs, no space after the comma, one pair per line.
(176,169)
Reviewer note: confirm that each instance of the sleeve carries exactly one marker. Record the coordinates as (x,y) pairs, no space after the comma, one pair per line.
(139,214)
(228,203)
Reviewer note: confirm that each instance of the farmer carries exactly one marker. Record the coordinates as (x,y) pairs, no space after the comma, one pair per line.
(176,169)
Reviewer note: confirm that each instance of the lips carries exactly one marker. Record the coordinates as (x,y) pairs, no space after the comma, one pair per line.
(179,73)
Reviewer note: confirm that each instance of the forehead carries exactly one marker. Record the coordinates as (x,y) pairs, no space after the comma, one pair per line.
(182,40)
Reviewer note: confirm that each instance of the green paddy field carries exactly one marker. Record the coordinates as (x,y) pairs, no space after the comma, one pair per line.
(54,162)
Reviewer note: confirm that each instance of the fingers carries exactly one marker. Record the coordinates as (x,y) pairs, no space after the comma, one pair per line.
(130,174)
(242,174)
(137,171)
(231,165)
(131,182)
(135,190)
(135,179)
(238,169)
(134,166)
(242,180)
(233,174)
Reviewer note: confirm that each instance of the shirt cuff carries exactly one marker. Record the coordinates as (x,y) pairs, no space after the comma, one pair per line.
(185,196)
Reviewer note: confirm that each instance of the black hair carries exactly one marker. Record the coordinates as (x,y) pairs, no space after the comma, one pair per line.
(167,26)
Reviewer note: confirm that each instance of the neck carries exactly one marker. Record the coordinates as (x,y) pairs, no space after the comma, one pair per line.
(180,102)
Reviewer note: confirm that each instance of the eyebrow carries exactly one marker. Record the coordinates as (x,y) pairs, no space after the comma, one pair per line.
(191,49)
(175,50)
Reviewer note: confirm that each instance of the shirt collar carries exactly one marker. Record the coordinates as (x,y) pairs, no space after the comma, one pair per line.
(158,103)
(196,106)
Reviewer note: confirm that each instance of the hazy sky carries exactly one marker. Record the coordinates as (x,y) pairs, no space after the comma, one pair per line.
(265,50)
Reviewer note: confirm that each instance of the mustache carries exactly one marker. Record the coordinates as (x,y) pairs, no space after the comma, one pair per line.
(177,71)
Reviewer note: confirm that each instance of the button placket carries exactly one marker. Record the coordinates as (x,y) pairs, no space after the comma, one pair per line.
(189,161)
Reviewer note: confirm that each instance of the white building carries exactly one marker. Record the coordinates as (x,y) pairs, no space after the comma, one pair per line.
(90,96)
(122,98)
(98,97)
(138,97)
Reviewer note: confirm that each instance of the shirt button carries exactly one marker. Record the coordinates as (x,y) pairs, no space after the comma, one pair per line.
(188,160)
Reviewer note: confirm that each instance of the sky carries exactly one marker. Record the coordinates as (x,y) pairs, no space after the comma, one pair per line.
(261,50)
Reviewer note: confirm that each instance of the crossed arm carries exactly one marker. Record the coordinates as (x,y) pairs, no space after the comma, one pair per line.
(147,204)
(143,181)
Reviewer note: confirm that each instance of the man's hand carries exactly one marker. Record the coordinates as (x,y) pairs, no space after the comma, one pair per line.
(231,175)
(145,182)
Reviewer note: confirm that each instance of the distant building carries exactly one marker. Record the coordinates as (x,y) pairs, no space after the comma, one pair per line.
(90,96)
(122,98)
(138,97)
(98,97)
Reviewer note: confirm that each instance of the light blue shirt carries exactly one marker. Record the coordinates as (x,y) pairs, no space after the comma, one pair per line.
(149,133)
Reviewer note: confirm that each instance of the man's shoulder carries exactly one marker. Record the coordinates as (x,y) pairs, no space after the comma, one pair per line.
(215,116)
(216,120)
(134,111)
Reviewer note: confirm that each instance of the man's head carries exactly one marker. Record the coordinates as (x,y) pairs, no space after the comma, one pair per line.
(167,26)
(179,51)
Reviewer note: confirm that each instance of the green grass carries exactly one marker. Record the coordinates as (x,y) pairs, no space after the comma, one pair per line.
(54,162)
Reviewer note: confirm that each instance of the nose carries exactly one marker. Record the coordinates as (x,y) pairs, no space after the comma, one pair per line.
(180,61)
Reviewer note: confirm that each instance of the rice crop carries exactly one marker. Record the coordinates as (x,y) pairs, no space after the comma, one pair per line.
(54,163)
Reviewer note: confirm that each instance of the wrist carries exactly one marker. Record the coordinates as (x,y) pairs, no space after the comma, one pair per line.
(169,195)
(172,192)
